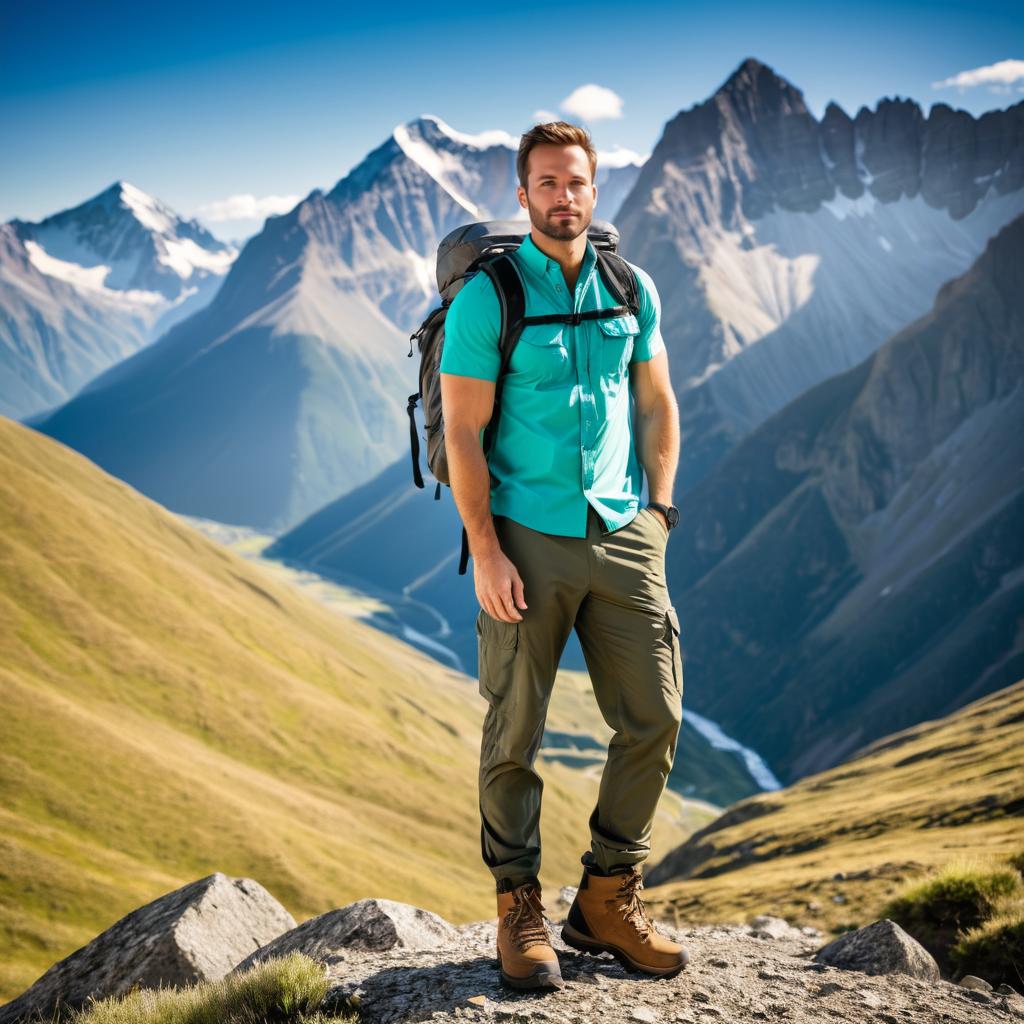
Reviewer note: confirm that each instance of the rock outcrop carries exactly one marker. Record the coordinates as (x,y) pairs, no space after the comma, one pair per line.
(370,925)
(196,933)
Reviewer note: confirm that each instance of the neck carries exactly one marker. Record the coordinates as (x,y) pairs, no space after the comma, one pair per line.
(567,254)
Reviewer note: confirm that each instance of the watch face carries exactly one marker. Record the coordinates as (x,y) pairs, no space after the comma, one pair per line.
(673,516)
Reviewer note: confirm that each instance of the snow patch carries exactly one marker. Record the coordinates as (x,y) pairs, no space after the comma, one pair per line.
(87,279)
(842,206)
(438,165)
(885,243)
(858,157)
(424,270)
(483,140)
(149,212)
(184,256)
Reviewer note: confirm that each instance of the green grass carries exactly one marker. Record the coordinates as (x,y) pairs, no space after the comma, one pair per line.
(994,950)
(905,807)
(289,990)
(959,897)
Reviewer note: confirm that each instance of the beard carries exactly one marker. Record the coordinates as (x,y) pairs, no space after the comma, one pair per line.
(561,231)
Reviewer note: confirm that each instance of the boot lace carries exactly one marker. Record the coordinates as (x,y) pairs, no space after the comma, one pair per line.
(628,901)
(525,921)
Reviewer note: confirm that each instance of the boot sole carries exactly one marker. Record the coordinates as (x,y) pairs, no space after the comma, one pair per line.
(585,944)
(542,977)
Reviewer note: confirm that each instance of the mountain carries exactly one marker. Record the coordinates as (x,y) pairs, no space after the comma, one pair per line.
(787,249)
(170,708)
(290,387)
(856,563)
(88,286)
(831,849)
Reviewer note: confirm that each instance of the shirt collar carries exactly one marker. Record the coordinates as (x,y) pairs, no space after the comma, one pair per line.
(540,263)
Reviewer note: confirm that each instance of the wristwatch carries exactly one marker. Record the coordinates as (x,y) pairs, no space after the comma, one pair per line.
(670,512)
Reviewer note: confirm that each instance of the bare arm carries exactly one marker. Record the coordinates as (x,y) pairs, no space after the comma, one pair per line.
(657,425)
(467,403)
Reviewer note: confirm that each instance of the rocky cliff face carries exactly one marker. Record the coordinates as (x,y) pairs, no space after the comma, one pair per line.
(854,565)
(787,249)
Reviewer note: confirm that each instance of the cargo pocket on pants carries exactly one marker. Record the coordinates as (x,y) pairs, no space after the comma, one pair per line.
(497,644)
(672,632)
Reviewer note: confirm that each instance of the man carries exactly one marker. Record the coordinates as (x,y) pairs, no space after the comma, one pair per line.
(559,541)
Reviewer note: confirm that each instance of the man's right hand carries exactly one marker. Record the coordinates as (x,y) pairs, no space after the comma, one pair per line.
(499,588)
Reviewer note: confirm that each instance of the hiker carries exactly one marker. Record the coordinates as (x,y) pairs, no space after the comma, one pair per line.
(559,540)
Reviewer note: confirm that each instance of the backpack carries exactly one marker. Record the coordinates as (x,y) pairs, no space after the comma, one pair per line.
(486,247)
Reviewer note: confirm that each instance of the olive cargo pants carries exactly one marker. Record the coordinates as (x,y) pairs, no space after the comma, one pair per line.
(611,587)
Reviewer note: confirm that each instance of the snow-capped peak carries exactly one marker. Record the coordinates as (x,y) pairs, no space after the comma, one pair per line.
(137,242)
(483,140)
(150,212)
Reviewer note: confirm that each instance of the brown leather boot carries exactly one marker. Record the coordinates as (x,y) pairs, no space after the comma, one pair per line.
(525,955)
(608,916)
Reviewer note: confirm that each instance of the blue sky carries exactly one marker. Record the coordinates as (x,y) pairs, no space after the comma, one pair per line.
(199,102)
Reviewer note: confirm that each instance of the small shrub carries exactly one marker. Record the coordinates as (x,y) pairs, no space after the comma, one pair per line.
(959,897)
(994,950)
(288,990)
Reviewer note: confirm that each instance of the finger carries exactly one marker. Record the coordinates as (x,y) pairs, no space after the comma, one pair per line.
(519,591)
(511,612)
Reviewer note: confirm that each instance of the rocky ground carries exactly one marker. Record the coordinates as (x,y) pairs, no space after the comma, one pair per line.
(399,963)
(760,972)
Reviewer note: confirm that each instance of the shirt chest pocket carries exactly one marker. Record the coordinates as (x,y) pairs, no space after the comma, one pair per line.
(541,356)
(616,339)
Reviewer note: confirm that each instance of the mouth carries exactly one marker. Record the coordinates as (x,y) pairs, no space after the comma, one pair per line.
(566,215)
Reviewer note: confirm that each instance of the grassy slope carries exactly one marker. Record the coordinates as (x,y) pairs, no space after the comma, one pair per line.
(948,789)
(171,710)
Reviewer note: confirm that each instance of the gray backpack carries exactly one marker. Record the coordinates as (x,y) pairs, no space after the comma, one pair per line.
(485,247)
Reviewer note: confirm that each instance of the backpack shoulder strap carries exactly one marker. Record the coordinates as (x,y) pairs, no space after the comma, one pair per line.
(619,279)
(511,293)
(512,300)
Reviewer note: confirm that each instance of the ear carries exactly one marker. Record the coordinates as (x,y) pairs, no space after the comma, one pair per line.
(521,196)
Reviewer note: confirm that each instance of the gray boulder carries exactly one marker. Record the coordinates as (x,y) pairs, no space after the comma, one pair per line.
(370,925)
(880,948)
(196,933)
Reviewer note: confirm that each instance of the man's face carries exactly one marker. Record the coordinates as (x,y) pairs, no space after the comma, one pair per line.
(560,194)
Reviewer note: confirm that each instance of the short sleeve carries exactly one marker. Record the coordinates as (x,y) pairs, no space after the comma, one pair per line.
(471,331)
(649,341)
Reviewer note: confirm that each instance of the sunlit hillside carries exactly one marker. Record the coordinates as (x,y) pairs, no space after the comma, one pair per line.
(830,849)
(170,709)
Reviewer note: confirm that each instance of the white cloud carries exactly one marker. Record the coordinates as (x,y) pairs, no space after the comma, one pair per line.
(592,103)
(544,116)
(999,77)
(620,157)
(246,207)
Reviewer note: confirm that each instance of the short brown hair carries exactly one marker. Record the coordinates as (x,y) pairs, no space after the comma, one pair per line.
(557,133)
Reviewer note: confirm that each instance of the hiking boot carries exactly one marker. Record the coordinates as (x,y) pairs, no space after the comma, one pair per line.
(525,955)
(608,916)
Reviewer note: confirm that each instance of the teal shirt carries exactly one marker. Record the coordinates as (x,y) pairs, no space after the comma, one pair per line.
(565,434)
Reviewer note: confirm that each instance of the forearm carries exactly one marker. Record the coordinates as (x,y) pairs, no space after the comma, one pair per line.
(471,488)
(657,445)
